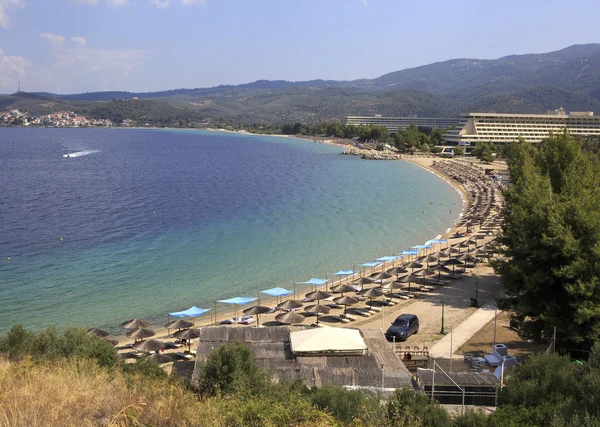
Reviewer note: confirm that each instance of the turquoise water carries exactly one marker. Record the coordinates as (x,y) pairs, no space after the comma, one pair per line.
(156,221)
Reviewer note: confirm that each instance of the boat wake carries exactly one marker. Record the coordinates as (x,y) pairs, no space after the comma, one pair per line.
(81,153)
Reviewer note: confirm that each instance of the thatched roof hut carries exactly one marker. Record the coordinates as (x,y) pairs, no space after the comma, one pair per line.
(272,350)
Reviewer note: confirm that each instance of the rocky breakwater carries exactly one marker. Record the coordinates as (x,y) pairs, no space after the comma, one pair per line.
(373,154)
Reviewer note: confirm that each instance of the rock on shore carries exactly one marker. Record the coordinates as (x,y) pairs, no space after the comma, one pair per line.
(373,154)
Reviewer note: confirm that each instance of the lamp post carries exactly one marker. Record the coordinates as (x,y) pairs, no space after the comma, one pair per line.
(476,300)
(442,330)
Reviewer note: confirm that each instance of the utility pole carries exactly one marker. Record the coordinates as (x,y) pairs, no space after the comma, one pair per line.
(442,332)
(495,315)
(451,352)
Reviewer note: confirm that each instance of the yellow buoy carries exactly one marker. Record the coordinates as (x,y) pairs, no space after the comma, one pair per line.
(154,212)
(8,259)
(61,239)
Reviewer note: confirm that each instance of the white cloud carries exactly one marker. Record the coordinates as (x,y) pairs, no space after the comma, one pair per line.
(161,4)
(4,6)
(365,3)
(55,40)
(12,70)
(109,2)
(78,64)
(79,41)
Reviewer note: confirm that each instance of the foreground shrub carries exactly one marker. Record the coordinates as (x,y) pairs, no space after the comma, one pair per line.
(231,369)
(348,405)
(50,344)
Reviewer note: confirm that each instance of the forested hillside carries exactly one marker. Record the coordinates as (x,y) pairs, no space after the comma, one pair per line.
(534,83)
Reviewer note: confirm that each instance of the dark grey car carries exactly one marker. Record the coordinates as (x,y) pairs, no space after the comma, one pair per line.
(403,327)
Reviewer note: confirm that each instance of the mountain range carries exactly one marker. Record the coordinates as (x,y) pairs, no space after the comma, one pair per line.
(532,83)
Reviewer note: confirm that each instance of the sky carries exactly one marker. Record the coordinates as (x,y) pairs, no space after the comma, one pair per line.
(73,46)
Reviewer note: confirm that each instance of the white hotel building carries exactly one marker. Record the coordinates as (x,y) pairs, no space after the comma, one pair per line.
(506,128)
(393,123)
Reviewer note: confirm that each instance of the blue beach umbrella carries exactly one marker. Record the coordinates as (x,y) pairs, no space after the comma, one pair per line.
(344,273)
(235,302)
(371,265)
(192,312)
(410,252)
(385,259)
(313,282)
(277,292)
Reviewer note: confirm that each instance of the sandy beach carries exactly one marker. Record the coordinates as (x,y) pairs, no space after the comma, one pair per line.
(455,299)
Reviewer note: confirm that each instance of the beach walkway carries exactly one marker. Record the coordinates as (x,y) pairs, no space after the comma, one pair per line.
(464,331)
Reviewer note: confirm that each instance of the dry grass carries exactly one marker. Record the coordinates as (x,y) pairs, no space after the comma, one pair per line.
(79,393)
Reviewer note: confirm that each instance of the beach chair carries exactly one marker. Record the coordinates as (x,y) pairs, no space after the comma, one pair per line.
(347,316)
(363,312)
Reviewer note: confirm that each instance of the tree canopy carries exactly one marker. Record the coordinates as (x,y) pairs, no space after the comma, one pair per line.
(551,272)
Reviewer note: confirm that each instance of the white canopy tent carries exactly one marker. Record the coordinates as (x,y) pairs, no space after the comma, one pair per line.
(327,340)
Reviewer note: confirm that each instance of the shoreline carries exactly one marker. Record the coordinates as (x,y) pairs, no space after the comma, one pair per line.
(215,316)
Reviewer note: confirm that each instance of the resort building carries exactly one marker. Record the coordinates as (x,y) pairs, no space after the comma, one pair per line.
(393,123)
(506,128)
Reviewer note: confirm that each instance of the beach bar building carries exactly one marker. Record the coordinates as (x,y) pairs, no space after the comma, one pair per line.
(317,356)
(477,388)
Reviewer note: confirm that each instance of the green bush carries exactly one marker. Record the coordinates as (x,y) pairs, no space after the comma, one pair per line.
(346,405)
(231,369)
(50,344)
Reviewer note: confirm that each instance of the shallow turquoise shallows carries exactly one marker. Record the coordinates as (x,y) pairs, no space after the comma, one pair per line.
(105,225)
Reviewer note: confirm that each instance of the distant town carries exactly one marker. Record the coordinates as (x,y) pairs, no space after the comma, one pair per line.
(67,119)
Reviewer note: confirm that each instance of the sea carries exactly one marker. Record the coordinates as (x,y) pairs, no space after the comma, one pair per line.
(98,226)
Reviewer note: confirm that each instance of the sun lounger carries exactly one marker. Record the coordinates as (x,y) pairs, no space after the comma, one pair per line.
(341,319)
(246,320)
(184,356)
(425,289)
(347,316)
(438,282)
(375,309)
(363,312)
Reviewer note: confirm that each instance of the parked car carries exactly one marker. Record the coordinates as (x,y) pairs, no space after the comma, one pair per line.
(403,327)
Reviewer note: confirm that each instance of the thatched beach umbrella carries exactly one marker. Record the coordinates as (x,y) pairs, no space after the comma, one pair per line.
(413,265)
(290,318)
(289,305)
(161,358)
(141,333)
(428,259)
(382,276)
(317,309)
(317,295)
(179,324)
(439,268)
(98,332)
(135,323)
(398,271)
(257,310)
(453,262)
(148,346)
(188,335)
(408,279)
(345,301)
(372,293)
(342,289)
(364,281)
